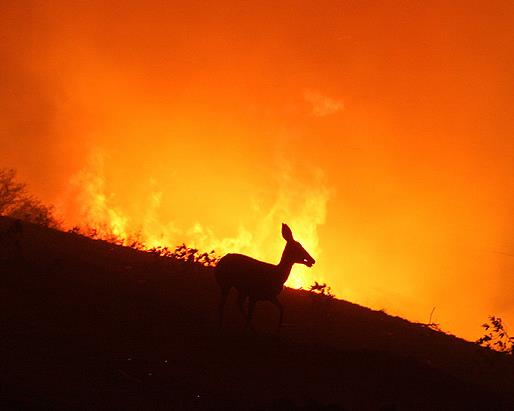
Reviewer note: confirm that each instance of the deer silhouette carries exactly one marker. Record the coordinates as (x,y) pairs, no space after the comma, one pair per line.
(256,280)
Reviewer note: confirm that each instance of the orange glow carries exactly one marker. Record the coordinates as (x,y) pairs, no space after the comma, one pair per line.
(381,133)
(299,203)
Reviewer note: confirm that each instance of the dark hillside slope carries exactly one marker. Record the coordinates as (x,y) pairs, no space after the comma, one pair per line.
(89,325)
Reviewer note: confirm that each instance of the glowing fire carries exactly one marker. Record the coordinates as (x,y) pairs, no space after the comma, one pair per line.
(301,205)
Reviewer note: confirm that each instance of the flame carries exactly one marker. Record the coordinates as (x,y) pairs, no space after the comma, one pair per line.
(301,204)
(96,206)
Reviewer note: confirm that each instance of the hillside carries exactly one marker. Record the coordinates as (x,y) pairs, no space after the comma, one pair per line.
(89,325)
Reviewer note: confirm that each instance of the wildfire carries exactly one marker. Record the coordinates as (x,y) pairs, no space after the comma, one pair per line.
(301,204)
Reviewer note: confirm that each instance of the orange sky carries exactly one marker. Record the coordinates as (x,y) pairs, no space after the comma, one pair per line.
(382,132)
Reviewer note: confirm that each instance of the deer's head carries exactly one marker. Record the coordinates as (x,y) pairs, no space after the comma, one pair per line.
(294,250)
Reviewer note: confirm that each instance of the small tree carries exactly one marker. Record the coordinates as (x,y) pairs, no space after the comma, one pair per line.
(11,192)
(15,202)
(496,336)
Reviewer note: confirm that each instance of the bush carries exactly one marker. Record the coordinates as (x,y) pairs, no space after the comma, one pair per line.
(181,252)
(190,255)
(322,290)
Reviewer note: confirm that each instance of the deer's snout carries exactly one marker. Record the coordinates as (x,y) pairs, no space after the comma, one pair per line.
(309,261)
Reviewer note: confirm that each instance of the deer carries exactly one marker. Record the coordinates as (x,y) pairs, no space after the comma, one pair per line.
(257,280)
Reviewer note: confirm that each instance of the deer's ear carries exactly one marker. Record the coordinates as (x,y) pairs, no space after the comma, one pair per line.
(286,232)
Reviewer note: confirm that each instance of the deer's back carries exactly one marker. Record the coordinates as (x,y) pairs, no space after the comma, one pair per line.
(248,275)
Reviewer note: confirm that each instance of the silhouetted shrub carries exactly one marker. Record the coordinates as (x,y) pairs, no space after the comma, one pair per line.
(496,336)
(181,252)
(322,290)
(15,202)
(190,255)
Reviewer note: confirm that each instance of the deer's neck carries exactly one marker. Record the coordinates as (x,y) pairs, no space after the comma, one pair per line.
(284,267)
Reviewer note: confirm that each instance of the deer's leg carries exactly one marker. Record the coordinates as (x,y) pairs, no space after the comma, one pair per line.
(281,311)
(240,303)
(221,306)
(249,316)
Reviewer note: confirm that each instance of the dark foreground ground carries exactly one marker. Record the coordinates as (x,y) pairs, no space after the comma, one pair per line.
(88,325)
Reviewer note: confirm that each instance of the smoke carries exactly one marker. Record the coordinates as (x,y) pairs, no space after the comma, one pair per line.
(321,105)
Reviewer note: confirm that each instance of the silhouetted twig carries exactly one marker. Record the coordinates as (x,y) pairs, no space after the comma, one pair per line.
(432,325)
(496,337)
